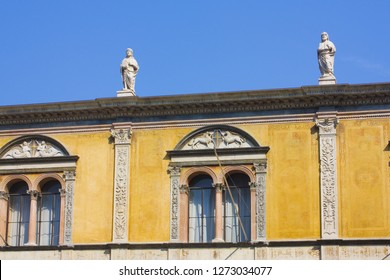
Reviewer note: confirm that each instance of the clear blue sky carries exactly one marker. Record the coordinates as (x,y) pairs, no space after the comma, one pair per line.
(71,50)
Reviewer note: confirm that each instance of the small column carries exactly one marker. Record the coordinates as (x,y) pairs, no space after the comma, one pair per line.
(70,177)
(122,138)
(328,177)
(32,227)
(184,191)
(62,214)
(253,188)
(218,213)
(261,173)
(3,217)
(174,172)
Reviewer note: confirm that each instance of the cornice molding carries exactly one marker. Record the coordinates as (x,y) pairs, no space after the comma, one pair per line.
(211,103)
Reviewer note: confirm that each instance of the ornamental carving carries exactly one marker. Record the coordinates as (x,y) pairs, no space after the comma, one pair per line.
(122,136)
(217,138)
(260,206)
(260,166)
(328,171)
(327,126)
(175,201)
(120,192)
(33,148)
(69,177)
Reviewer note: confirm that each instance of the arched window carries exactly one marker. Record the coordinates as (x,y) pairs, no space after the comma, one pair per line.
(206,212)
(18,214)
(201,218)
(48,214)
(237,208)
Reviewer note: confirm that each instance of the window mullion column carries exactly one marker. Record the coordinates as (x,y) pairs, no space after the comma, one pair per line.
(218,213)
(3,216)
(32,228)
(62,215)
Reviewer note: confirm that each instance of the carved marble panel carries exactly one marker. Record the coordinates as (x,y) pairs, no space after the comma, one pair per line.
(174,173)
(328,171)
(69,177)
(122,140)
(221,138)
(33,148)
(261,172)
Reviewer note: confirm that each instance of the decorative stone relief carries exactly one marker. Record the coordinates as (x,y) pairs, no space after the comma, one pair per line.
(69,177)
(174,173)
(33,148)
(328,165)
(122,138)
(222,139)
(260,185)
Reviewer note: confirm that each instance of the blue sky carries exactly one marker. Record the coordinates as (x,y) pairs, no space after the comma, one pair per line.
(70,50)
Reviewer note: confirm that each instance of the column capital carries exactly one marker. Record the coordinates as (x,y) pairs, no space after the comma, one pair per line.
(121,135)
(327,125)
(62,192)
(4,195)
(69,175)
(184,189)
(219,187)
(253,185)
(34,194)
(174,170)
(260,167)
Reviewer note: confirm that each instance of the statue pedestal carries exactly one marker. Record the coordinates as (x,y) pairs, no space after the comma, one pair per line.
(329,80)
(125,93)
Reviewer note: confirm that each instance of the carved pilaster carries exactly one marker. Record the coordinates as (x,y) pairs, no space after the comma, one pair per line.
(174,173)
(260,185)
(69,177)
(122,140)
(32,229)
(328,177)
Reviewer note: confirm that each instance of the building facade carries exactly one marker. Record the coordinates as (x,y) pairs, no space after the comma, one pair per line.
(297,173)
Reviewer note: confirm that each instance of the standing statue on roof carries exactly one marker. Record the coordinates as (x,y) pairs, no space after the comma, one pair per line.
(325,53)
(129,69)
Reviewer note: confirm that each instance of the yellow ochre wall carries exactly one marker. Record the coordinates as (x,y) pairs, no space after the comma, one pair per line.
(364,181)
(150,183)
(93,193)
(293,180)
(293,209)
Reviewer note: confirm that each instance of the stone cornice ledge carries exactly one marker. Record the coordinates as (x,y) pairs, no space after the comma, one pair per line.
(227,102)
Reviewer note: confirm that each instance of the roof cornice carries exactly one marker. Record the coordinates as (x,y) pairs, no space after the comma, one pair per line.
(208,103)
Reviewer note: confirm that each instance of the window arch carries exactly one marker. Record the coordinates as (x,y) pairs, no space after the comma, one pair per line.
(219,149)
(18,214)
(201,217)
(237,208)
(48,214)
(50,196)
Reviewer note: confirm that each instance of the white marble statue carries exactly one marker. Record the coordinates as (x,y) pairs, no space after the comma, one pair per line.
(129,69)
(325,53)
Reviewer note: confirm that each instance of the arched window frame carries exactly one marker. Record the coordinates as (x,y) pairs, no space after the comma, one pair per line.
(250,160)
(55,164)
